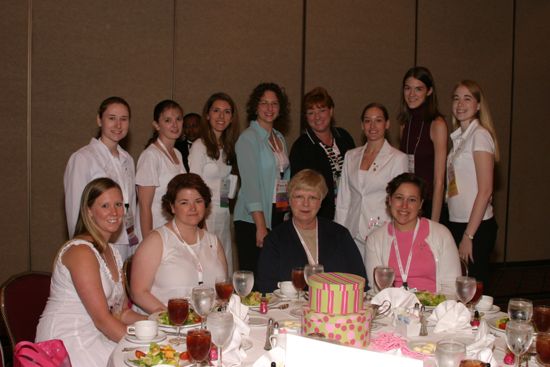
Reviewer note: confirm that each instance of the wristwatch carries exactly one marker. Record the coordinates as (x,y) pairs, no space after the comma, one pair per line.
(469,236)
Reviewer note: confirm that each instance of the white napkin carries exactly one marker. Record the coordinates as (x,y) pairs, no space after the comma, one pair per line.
(482,347)
(398,297)
(276,355)
(451,317)
(233,354)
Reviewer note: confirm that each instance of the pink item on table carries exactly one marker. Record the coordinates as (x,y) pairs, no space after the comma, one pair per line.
(389,341)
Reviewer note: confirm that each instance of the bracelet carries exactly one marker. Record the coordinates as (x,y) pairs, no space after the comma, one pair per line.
(469,236)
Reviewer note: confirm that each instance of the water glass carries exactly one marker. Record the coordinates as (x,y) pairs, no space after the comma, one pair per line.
(449,353)
(384,277)
(520,309)
(519,336)
(243,281)
(202,299)
(221,326)
(465,288)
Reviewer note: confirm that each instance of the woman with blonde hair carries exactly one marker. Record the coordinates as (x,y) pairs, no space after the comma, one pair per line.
(87,306)
(470,170)
(307,238)
(213,158)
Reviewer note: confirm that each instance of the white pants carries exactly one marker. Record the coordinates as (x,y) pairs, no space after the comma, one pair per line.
(218,222)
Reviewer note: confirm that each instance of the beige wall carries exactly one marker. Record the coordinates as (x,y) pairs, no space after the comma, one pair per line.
(146,51)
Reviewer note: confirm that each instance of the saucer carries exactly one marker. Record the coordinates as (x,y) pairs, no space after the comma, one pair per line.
(493,309)
(133,339)
(279,293)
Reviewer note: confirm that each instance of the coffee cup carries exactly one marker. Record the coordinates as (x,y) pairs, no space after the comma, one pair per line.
(287,289)
(485,303)
(144,329)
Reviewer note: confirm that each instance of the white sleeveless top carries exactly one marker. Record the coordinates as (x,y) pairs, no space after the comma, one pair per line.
(177,273)
(66,318)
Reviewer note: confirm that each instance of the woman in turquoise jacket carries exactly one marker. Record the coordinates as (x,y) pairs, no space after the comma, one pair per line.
(262,158)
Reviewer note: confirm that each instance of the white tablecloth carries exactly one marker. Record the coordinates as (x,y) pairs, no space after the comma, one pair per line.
(257,336)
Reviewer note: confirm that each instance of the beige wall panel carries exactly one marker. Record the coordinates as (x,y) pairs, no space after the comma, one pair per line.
(13,138)
(528,218)
(232,46)
(472,39)
(359,51)
(83,52)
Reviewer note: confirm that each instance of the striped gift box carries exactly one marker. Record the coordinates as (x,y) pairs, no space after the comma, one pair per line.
(336,293)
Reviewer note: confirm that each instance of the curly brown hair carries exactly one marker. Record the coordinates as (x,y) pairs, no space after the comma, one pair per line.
(254,100)
(181,182)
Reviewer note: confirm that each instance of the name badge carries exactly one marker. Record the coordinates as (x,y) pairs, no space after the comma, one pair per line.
(130,230)
(410,158)
(224,192)
(281,196)
(452,186)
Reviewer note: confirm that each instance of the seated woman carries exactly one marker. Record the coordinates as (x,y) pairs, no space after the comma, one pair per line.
(180,255)
(87,307)
(422,252)
(306,238)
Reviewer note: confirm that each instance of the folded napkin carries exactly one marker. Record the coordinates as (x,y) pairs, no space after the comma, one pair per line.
(398,297)
(482,347)
(276,355)
(233,354)
(451,317)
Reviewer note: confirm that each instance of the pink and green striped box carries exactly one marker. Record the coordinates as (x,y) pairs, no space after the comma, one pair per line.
(336,293)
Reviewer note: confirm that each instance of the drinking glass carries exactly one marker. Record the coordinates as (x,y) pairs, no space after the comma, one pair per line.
(473,363)
(541,318)
(298,280)
(520,309)
(202,299)
(310,269)
(384,277)
(519,336)
(224,289)
(221,326)
(449,353)
(465,288)
(543,348)
(243,281)
(477,297)
(178,310)
(198,345)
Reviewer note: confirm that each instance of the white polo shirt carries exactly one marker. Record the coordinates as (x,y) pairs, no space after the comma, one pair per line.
(475,139)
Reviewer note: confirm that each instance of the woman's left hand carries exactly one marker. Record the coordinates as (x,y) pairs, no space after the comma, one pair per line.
(465,249)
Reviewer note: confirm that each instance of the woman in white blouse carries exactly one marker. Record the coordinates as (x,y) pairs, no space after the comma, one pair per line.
(470,167)
(213,158)
(361,201)
(104,157)
(158,164)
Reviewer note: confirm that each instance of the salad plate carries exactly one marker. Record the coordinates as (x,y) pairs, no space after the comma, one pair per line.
(254,299)
(498,323)
(193,321)
(156,355)
(133,339)
(256,320)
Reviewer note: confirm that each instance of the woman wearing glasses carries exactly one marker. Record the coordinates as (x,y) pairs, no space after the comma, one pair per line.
(262,158)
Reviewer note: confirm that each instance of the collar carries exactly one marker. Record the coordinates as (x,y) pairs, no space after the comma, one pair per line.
(262,132)
(458,134)
(97,144)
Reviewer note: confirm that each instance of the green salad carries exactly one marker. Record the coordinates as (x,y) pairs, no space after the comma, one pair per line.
(157,354)
(429,298)
(254,299)
(192,318)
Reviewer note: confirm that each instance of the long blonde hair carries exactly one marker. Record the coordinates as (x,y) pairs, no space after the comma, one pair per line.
(483,114)
(85,224)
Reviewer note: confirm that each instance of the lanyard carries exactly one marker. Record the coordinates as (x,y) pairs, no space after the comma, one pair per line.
(165,151)
(121,179)
(404,273)
(190,250)
(417,140)
(279,155)
(310,258)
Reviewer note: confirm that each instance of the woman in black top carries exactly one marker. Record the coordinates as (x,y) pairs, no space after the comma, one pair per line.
(322,146)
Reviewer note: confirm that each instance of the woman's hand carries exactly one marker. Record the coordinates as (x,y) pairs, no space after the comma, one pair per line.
(465,249)
(261,232)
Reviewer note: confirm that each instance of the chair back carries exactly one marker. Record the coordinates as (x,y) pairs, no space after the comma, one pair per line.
(23,298)
(2,363)
(127,272)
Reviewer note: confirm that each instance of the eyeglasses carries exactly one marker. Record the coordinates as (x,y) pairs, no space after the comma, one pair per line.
(303,198)
(264,103)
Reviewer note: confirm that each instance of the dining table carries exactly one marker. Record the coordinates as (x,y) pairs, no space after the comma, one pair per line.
(254,343)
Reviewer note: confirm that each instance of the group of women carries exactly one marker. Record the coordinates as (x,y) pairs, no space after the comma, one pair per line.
(349,208)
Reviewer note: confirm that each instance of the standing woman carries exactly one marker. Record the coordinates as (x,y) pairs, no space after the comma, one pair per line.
(322,146)
(470,167)
(361,201)
(424,136)
(213,158)
(158,164)
(263,162)
(103,157)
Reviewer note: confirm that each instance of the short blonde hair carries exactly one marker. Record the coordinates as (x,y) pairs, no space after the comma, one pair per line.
(308,179)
